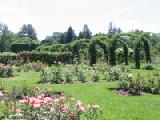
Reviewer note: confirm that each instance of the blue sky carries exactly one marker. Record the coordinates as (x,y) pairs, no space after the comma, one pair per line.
(48,16)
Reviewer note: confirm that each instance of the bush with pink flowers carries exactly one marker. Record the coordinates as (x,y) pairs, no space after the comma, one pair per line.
(6,70)
(48,108)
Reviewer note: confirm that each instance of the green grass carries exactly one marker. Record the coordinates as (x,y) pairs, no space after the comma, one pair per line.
(114,106)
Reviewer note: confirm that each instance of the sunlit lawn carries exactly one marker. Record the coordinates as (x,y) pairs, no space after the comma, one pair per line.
(114,106)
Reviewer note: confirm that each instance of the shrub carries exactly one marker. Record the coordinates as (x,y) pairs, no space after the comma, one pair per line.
(19,47)
(52,75)
(95,76)
(6,71)
(113,73)
(7,57)
(139,85)
(148,67)
(45,108)
(46,57)
(81,73)
(68,74)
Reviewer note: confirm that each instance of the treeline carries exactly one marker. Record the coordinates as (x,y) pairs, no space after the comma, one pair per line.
(26,39)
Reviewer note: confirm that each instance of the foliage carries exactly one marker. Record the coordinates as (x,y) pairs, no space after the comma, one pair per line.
(114,73)
(144,39)
(6,71)
(69,36)
(138,85)
(7,57)
(5,38)
(44,107)
(27,30)
(119,38)
(93,52)
(46,57)
(86,33)
(54,39)
(148,67)
(19,47)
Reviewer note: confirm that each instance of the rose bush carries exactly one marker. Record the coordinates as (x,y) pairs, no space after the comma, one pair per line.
(47,108)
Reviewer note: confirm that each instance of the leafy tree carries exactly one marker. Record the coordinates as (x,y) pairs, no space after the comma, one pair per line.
(27,30)
(5,38)
(54,39)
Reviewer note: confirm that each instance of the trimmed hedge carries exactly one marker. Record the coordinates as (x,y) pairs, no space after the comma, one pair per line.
(55,48)
(18,47)
(46,57)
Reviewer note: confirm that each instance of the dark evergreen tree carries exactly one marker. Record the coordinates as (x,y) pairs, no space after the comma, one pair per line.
(27,30)
(70,35)
(62,38)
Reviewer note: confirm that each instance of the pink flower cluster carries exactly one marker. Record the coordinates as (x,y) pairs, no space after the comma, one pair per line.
(80,106)
(37,102)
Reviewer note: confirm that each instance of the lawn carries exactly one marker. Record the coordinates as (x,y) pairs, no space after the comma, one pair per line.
(114,106)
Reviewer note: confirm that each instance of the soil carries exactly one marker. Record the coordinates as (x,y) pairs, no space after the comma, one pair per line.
(123,92)
(53,95)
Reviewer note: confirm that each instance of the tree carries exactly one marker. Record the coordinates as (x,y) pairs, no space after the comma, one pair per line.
(80,36)
(86,33)
(54,39)
(62,38)
(5,38)
(113,30)
(70,35)
(27,30)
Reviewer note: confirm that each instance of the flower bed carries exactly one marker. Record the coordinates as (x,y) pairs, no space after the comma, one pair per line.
(6,70)
(46,108)
(138,86)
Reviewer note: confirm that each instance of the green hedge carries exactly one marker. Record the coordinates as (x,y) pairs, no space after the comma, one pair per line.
(55,48)
(18,47)
(46,57)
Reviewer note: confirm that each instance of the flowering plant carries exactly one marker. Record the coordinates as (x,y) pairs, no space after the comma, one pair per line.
(46,108)
(6,70)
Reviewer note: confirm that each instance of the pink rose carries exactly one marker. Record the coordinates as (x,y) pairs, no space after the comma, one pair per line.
(36,105)
(23,101)
(18,110)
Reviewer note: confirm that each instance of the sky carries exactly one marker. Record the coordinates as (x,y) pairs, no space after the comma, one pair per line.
(48,16)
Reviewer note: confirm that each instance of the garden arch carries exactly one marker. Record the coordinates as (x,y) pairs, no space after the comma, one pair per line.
(119,38)
(93,52)
(77,46)
(143,39)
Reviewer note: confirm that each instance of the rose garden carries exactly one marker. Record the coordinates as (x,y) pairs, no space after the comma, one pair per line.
(115,78)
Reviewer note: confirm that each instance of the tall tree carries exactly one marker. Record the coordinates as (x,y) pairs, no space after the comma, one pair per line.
(62,38)
(70,35)
(27,30)
(54,39)
(86,33)
(113,30)
(5,38)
